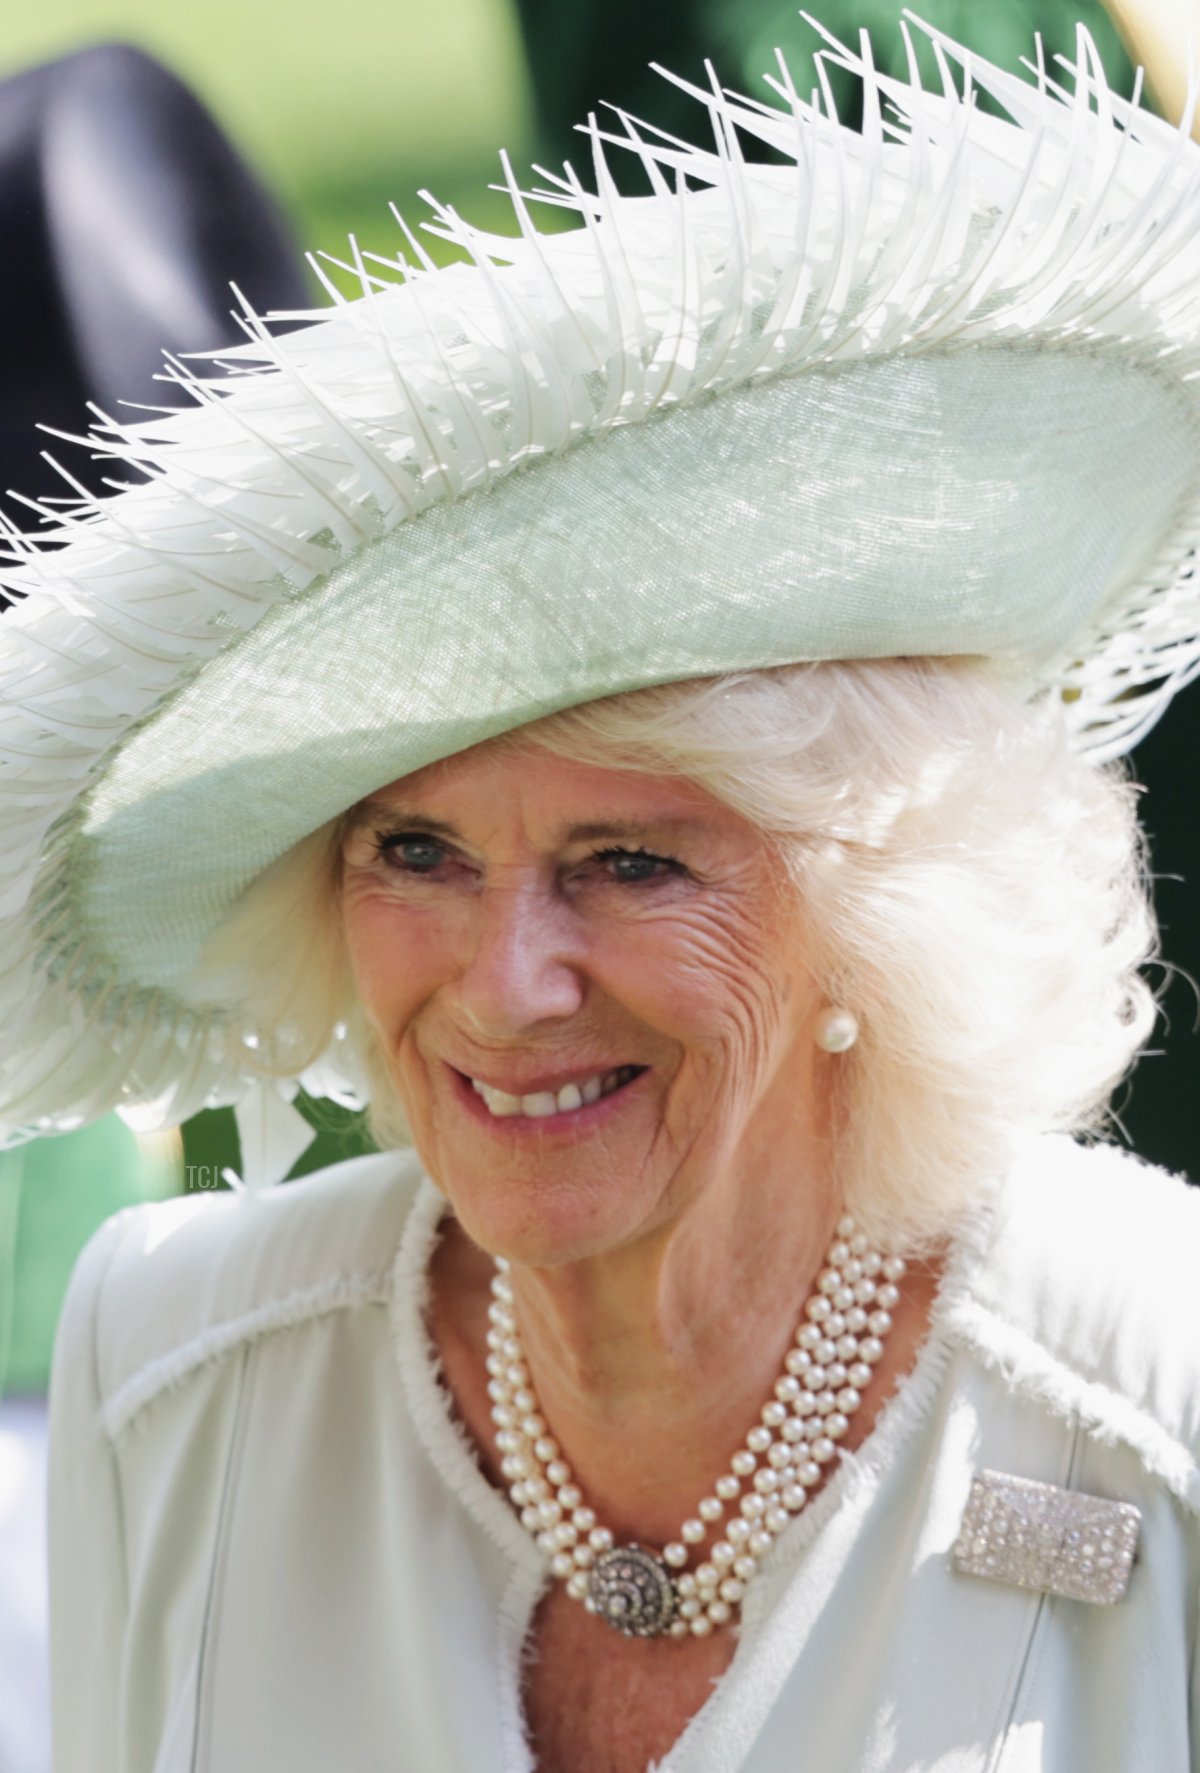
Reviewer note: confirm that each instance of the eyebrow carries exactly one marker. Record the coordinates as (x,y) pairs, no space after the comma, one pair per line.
(639,829)
(372,812)
(594,831)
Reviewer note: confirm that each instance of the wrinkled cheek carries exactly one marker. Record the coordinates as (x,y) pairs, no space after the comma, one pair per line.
(737,999)
(386,972)
(714,1088)
(363,950)
(749,1036)
(377,1008)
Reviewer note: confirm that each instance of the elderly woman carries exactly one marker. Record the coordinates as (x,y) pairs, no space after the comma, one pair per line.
(632,712)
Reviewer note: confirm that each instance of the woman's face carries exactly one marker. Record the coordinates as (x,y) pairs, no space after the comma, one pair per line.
(590,986)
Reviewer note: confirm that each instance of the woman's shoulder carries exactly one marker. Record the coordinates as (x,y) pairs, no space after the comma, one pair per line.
(165,1287)
(1081,1286)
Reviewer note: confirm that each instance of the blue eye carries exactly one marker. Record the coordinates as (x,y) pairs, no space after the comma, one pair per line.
(410,851)
(635,867)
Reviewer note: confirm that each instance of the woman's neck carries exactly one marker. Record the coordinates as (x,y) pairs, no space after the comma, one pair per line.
(652,1363)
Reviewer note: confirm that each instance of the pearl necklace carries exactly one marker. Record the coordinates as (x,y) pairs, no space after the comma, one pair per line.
(641,1594)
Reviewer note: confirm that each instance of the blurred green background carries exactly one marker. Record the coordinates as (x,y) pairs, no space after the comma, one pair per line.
(339,108)
(345,109)
(342,110)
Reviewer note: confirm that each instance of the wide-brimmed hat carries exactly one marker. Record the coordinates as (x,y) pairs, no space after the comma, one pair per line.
(928,388)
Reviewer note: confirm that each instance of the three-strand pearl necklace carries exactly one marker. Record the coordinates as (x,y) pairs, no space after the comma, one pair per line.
(770,1478)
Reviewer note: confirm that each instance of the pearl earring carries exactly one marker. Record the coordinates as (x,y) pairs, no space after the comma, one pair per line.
(836,1030)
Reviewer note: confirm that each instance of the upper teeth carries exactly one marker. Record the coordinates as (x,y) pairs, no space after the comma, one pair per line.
(544,1102)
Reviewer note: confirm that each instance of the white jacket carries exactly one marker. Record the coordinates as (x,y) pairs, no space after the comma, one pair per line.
(272,1552)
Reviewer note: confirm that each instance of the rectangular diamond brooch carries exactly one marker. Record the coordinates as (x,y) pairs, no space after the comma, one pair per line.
(1040,1536)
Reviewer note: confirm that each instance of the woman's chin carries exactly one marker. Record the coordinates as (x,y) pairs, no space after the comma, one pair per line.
(540,1223)
(546,1192)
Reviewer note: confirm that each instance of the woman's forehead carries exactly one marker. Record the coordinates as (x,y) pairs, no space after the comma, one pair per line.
(588,799)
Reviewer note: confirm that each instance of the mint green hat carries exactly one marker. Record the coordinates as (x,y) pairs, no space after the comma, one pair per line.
(930,388)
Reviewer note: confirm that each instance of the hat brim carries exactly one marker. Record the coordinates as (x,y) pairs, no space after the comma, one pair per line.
(789,521)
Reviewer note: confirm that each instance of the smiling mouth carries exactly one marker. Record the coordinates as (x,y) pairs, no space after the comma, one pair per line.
(542,1103)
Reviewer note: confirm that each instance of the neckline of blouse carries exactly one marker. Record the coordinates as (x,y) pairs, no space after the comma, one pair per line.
(452,1450)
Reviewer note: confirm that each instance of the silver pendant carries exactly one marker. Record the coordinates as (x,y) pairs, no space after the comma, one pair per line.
(1040,1536)
(632,1590)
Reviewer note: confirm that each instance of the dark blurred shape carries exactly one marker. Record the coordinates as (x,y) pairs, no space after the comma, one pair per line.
(1159,1110)
(582,55)
(124,215)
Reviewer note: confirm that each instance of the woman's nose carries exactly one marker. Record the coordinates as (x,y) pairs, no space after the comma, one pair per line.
(523,965)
